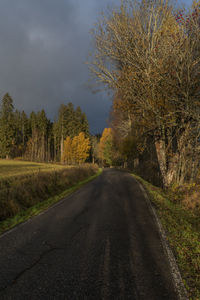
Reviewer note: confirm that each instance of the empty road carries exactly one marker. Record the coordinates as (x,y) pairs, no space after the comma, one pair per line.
(102,242)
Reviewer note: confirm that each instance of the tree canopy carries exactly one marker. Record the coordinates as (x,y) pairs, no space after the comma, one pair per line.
(35,137)
(148,54)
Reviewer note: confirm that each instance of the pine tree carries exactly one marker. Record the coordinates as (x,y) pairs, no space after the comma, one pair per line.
(33,142)
(70,123)
(65,120)
(42,123)
(84,125)
(25,128)
(7,126)
(56,141)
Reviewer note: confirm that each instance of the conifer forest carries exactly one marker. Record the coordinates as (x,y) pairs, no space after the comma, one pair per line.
(36,138)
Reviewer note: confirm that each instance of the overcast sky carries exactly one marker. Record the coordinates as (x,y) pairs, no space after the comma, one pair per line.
(44,46)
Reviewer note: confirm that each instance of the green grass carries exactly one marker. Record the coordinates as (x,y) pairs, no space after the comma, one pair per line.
(10,168)
(24,215)
(183,231)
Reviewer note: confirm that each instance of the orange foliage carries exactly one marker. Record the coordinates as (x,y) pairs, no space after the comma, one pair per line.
(105,145)
(76,150)
(68,153)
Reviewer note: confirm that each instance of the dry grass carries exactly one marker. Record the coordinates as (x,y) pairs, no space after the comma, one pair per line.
(188,195)
(22,192)
(10,168)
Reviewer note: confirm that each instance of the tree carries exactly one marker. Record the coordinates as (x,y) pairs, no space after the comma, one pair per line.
(42,123)
(7,126)
(80,122)
(25,128)
(83,147)
(76,150)
(38,139)
(70,123)
(68,152)
(39,143)
(153,62)
(105,147)
(94,141)
(80,148)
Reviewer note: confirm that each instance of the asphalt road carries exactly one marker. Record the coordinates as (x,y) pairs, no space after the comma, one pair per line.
(102,242)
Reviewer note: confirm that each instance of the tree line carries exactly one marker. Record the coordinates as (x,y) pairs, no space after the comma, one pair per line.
(37,138)
(148,54)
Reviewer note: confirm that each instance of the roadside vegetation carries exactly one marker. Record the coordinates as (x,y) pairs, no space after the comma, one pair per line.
(147,53)
(10,168)
(35,137)
(24,196)
(181,223)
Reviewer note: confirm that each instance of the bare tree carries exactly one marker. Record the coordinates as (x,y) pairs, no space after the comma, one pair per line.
(153,61)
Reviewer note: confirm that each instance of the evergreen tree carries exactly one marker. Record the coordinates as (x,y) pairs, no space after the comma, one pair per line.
(70,123)
(85,125)
(25,128)
(81,122)
(42,124)
(7,127)
(56,141)
(36,138)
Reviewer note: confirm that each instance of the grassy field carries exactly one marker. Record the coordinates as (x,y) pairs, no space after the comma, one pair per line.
(15,168)
(26,188)
(182,226)
(26,213)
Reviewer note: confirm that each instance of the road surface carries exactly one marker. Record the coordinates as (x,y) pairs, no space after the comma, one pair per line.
(102,242)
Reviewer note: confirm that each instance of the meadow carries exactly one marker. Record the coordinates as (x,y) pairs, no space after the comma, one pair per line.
(10,168)
(27,188)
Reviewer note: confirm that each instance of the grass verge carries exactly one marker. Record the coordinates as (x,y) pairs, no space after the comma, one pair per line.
(36,209)
(182,227)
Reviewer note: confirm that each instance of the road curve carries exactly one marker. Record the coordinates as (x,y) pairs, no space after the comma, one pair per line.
(102,242)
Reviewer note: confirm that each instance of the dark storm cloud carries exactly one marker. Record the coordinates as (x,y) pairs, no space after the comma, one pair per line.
(44,44)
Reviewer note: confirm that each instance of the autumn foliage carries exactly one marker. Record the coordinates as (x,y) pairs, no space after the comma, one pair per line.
(105,146)
(149,55)
(76,150)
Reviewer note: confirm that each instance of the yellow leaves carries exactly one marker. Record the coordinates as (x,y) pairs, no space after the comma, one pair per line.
(76,150)
(104,141)
(68,153)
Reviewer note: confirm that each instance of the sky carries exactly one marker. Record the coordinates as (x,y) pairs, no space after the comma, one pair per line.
(44,47)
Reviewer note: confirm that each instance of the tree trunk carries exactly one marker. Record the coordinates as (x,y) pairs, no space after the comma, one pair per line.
(62,149)
(161,156)
(167,168)
(54,153)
